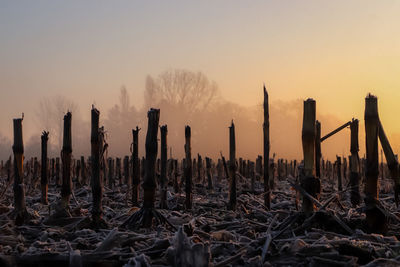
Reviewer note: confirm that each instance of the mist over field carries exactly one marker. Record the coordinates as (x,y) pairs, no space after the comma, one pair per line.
(184,98)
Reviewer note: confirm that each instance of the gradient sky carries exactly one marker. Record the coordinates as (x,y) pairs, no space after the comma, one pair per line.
(333,51)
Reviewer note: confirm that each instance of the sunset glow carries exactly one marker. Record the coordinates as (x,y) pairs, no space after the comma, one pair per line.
(335,52)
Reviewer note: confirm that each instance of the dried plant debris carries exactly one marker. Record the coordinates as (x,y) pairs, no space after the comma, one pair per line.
(207,235)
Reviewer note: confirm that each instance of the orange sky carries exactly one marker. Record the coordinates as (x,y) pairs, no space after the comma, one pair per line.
(335,52)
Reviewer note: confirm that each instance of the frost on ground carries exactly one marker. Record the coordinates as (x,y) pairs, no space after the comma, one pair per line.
(207,235)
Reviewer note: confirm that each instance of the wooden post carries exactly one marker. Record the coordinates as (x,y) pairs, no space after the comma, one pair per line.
(73,165)
(322,167)
(382,168)
(259,165)
(308,181)
(66,153)
(19,188)
(225,167)
(118,171)
(376,220)
(241,166)
(44,182)
(271,170)
(9,166)
(199,168)
(318,150)
(392,161)
(188,168)
(220,170)
(52,169)
(209,176)
(135,167)
(163,173)
(96,140)
(194,168)
(279,168)
(111,173)
(176,183)
(232,168)
(371,135)
(126,170)
(250,164)
(354,164)
(158,168)
(149,184)
(57,171)
(103,167)
(286,168)
(345,169)
(267,193)
(335,131)
(339,172)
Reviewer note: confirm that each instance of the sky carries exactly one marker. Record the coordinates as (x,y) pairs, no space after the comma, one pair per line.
(333,51)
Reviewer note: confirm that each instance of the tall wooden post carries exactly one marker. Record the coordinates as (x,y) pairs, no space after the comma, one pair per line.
(44,182)
(52,169)
(135,166)
(371,135)
(199,168)
(149,184)
(96,140)
(118,172)
(58,171)
(163,174)
(252,177)
(271,170)
(279,169)
(376,220)
(267,193)
(241,166)
(126,170)
(208,170)
(392,161)
(344,169)
(103,169)
(259,165)
(111,172)
(232,168)
(354,164)
(188,169)
(308,181)
(339,172)
(66,153)
(318,150)
(19,188)
(176,173)
(382,168)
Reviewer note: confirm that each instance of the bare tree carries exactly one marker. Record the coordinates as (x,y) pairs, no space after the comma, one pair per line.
(50,115)
(190,90)
(124,100)
(5,147)
(119,121)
